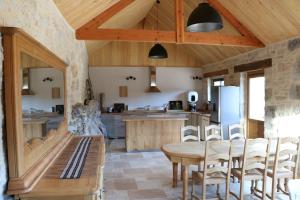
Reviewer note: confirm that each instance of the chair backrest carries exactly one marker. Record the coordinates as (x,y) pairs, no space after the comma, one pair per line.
(236,131)
(256,155)
(213,132)
(190,137)
(287,155)
(216,154)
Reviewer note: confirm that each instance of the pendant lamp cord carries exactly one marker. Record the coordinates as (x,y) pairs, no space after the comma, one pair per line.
(158,2)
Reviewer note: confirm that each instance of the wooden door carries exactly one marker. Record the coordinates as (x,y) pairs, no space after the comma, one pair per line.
(256,102)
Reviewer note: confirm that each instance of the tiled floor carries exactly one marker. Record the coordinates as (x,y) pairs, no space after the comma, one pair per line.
(144,175)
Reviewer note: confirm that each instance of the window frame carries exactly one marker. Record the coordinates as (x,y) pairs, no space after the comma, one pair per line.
(221,80)
(253,74)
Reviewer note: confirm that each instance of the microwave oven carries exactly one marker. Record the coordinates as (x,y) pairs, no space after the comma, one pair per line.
(175,105)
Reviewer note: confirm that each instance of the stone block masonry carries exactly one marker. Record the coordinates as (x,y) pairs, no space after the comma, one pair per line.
(282,82)
(42,20)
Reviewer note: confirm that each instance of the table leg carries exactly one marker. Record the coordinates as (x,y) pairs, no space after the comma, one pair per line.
(185,182)
(175,174)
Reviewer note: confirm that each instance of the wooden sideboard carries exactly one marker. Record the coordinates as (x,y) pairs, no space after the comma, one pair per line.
(33,163)
(88,187)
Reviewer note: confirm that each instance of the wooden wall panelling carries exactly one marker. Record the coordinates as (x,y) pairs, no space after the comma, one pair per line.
(136,54)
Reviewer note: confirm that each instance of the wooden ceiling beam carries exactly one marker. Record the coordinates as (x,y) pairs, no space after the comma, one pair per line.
(106,15)
(179,13)
(233,21)
(206,38)
(91,30)
(139,35)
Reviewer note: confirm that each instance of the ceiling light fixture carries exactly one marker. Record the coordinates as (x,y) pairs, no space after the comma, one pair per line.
(204,19)
(157,51)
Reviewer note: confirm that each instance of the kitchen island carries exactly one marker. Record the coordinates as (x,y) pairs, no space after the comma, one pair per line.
(150,132)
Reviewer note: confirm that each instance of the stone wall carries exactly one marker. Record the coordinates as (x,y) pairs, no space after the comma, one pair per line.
(282,81)
(42,20)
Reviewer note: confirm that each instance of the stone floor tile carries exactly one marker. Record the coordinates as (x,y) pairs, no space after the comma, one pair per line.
(146,194)
(148,176)
(120,184)
(116,195)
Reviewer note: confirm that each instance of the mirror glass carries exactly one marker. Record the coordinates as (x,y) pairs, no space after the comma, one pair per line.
(42,97)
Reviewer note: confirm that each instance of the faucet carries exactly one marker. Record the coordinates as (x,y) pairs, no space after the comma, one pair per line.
(147,107)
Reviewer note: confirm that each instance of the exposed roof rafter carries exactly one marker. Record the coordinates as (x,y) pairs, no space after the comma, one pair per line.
(106,15)
(91,30)
(233,20)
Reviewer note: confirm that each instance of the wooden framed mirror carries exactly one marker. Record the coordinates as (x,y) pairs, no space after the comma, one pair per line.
(35,131)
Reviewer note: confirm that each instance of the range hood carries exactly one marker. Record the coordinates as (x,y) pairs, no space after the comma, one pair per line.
(153,86)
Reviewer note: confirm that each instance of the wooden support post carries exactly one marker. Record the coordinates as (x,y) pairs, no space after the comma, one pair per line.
(179,13)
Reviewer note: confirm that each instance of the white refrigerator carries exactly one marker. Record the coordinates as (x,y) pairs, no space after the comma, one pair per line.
(226,107)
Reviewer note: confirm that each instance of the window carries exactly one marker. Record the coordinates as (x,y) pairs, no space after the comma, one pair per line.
(257,98)
(218,82)
(208,89)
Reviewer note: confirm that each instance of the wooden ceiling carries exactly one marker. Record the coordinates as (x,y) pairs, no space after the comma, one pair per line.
(269,20)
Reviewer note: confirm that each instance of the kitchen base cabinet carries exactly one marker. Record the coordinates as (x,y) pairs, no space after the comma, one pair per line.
(198,119)
(114,125)
(151,134)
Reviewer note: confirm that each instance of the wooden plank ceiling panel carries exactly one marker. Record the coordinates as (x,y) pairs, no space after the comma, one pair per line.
(79,12)
(269,20)
(136,54)
(129,17)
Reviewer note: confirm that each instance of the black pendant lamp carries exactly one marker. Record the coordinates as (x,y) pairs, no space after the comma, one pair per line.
(157,51)
(204,19)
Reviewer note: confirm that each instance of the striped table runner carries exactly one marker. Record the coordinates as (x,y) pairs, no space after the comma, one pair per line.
(76,162)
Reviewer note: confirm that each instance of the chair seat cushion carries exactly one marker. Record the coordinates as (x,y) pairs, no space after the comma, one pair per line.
(215,178)
(253,174)
(280,173)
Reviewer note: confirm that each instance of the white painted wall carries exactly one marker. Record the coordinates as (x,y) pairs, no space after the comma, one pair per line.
(42,98)
(173,82)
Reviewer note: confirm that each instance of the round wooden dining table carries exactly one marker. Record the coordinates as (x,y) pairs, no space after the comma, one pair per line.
(192,153)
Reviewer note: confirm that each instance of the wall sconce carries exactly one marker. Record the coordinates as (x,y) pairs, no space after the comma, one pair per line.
(48,79)
(55,93)
(130,78)
(197,78)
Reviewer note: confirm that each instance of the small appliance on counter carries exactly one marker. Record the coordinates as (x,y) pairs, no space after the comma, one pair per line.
(60,109)
(118,107)
(192,100)
(175,105)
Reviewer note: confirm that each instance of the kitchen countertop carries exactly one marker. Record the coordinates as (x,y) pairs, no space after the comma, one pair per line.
(145,113)
(35,121)
(154,117)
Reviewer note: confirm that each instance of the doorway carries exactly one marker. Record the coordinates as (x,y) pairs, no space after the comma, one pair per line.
(256,104)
